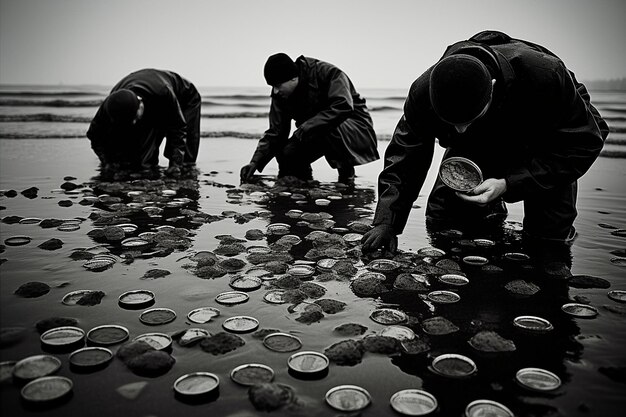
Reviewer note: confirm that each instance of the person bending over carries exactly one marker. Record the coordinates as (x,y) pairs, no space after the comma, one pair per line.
(142,109)
(331,120)
(513,108)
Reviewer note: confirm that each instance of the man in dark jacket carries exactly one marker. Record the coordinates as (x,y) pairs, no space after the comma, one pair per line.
(142,109)
(514,109)
(331,120)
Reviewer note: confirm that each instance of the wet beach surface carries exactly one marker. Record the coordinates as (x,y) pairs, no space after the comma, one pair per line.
(62,231)
(211,212)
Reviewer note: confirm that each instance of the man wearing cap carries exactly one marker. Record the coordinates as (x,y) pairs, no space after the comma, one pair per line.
(514,109)
(142,109)
(331,120)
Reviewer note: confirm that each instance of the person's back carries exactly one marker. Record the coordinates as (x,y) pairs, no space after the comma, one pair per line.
(515,110)
(142,108)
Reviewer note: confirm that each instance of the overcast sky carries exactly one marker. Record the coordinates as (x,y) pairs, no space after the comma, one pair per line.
(385,43)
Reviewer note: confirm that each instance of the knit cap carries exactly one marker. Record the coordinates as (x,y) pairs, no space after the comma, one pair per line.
(460,88)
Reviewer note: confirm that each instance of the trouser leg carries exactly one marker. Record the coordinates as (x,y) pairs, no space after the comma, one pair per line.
(192,144)
(148,150)
(346,173)
(549,224)
(550,215)
(295,159)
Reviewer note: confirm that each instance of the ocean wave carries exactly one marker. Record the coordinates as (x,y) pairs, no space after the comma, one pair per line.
(220,104)
(44,117)
(206,134)
(606,153)
(49,93)
(614,109)
(50,103)
(613,154)
(96,103)
(63,118)
(237,96)
(384,108)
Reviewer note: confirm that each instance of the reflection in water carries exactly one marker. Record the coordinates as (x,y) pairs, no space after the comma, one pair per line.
(487,303)
(143,216)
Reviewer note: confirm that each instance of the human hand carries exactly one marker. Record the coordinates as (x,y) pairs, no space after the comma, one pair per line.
(381,236)
(486,192)
(247,171)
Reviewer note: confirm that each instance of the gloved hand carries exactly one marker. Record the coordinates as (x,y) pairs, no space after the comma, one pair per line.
(381,236)
(247,171)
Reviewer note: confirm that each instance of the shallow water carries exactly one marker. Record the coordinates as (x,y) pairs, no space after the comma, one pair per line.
(578,350)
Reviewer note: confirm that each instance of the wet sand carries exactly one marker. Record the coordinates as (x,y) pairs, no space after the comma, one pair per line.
(579,351)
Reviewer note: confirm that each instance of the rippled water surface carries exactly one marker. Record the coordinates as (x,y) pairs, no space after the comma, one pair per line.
(586,354)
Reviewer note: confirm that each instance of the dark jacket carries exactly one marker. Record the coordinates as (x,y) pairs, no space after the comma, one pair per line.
(166,95)
(540,132)
(323,100)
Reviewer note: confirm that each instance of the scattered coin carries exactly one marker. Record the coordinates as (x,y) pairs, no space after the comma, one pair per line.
(537,379)
(580,310)
(136,299)
(63,337)
(47,389)
(617,295)
(401,333)
(487,408)
(106,335)
(159,341)
(90,358)
(308,364)
(197,384)
(246,283)
(156,316)
(251,374)
(203,314)
(241,324)
(475,260)
(533,324)
(232,298)
(36,366)
(275,297)
(413,402)
(348,398)
(17,240)
(453,365)
(282,342)
(388,316)
(443,297)
(454,279)
(383,265)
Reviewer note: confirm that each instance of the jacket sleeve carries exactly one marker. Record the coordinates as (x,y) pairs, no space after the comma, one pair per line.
(98,132)
(569,148)
(407,160)
(175,129)
(274,138)
(338,108)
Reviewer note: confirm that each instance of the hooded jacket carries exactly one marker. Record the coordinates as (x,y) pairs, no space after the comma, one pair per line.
(166,95)
(322,101)
(540,131)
